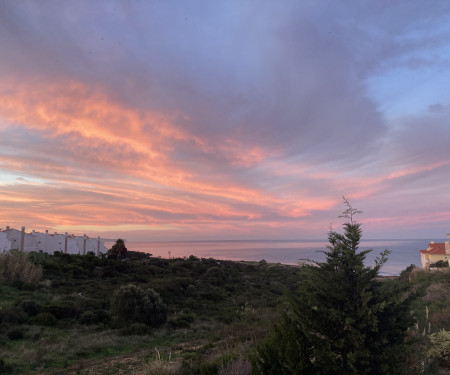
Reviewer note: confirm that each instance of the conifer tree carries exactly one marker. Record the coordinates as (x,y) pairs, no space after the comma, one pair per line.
(343,319)
(118,250)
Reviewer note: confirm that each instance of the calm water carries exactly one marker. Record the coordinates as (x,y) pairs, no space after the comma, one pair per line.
(403,252)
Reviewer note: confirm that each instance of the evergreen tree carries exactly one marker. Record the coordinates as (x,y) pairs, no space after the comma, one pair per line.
(118,250)
(343,320)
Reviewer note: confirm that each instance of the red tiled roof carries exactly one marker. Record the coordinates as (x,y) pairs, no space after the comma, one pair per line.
(435,248)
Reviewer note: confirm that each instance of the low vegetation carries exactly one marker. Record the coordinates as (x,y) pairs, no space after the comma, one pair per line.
(201,315)
(144,315)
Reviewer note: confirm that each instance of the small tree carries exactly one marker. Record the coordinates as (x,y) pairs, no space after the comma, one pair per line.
(131,304)
(118,250)
(343,320)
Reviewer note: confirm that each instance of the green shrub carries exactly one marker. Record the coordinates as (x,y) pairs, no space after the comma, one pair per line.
(95,317)
(31,307)
(4,368)
(103,316)
(182,321)
(15,334)
(138,255)
(75,271)
(439,264)
(64,310)
(45,319)
(94,304)
(191,291)
(440,347)
(15,315)
(201,367)
(131,304)
(88,317)
(138,329)
(51,265)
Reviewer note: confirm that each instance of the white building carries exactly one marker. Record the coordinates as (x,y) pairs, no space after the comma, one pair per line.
(49,243)
(434,253)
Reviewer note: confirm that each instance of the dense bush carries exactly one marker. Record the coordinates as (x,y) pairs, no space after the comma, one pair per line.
(4,368)
(88,317)
(440,348)
(138,329)
(439,264)
(131,304)
(31,307)
(138,255)
(15,334)
(182,321)
(75,271)
(13,315)
(44,319)
(64,310)
(95,317)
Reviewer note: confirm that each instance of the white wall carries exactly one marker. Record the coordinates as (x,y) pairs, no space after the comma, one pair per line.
(14,236)
(4,242)
(49,243)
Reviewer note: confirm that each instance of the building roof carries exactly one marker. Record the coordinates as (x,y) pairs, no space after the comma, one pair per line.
(434,248)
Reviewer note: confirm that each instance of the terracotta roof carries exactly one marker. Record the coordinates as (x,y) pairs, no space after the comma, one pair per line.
(435,248)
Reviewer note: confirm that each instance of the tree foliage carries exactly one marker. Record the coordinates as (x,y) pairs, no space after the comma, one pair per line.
(118,250)
(132,304)
(439,264)
(343,319)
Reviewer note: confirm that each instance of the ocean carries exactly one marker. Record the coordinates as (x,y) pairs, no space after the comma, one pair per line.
(403,252)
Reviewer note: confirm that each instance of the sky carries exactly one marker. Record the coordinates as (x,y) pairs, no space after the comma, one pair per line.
(237,119)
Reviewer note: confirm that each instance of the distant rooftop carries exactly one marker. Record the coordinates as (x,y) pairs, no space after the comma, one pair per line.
(434,248)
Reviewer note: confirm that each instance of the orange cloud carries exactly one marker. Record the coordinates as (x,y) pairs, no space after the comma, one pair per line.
(105,164)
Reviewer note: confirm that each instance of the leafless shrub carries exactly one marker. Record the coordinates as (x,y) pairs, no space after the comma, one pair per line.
(436,292)
(237,367)
(441,319)
(160,367)
(46,283)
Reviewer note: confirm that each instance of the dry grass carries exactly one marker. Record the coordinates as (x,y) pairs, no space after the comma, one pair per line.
(437,292)
(16,265)
(237,367)
(161,367)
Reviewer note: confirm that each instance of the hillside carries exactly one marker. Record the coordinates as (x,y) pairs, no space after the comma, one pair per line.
(217,312)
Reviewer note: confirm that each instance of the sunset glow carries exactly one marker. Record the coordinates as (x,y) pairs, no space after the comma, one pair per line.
(230,120)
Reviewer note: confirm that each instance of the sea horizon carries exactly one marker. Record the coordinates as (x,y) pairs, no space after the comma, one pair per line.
(404,252)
